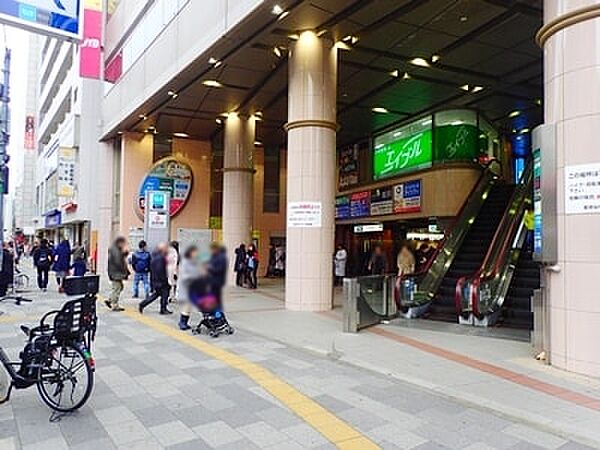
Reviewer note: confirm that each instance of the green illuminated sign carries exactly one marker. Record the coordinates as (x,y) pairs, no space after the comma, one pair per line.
(456,142)
(403,155)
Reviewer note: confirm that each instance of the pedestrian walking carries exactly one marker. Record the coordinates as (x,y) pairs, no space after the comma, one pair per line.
(340,259)
(405,261)
(79,266)
(7,271)
(239,265)
(217,270)
(189,271)
(377,264)
(140,262)
(252,266)
(172,268)
(42,261)
(159,280)
(62,262)
(117,272)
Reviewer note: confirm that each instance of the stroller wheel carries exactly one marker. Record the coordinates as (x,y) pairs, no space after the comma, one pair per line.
(230,330)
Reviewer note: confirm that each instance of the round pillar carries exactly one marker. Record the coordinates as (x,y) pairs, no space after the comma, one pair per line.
(570,39)
(311,131)
(238,184)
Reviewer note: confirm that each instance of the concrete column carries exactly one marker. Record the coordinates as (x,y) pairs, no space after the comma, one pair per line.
(238,186)
(571,42)
(311,140)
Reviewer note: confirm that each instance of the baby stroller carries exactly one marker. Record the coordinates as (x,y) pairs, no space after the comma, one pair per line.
(213,318)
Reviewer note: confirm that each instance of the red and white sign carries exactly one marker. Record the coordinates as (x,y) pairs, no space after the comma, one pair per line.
(90,49)
(29,133)
(304,215)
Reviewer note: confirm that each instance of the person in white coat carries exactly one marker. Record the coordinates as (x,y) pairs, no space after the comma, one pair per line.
(341,257)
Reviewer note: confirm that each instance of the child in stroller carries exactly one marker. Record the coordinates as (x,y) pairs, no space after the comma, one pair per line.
(213,317)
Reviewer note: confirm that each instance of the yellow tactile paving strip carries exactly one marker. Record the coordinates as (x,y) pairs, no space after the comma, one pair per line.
(331,427)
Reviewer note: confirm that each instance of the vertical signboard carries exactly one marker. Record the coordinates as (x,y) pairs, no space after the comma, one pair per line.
(545,235)
(66,172)
(90,49)
(29,143)
(348,167)
(156,218)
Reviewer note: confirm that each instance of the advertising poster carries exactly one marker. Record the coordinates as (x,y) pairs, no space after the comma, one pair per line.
(360,204)
(171,175)
(29,133)
(582,189)
(304,215)
(537,202)
(407,197)
(382,201)
(403,155)
(66,172)
(348,167)
(90,53)
(342,207)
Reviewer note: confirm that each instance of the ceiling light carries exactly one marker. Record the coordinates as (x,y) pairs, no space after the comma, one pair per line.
(258,144)
(406,76)
(258,115)
(214,61)
(294,36)
(143,116)
(421,62)
(477,89)
(463,18)
(181,135)
(514,113)
(465,87)
(277,51)
(283,15)
(119,132)
(172,94)
(350,39)
(538,101)
(395,73)
(219,121)
(524,131)
(277,10)
(380,110)
(212,83)
(435,58)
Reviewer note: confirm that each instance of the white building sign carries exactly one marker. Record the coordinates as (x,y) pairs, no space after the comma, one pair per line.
(582,189)
(304,215)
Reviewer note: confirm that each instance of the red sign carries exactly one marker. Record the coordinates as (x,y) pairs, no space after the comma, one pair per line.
(90,49)
(29,133)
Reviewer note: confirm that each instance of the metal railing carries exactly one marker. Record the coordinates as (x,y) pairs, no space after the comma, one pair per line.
(368,301)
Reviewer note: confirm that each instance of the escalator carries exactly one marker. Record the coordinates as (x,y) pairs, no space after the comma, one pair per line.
(516,310)
(472,252)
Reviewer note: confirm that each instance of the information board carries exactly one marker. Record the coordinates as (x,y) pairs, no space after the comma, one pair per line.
(407,197)
(382,201)
(360,204)
(582,189)
(342,207)
(304,215)
(59,18)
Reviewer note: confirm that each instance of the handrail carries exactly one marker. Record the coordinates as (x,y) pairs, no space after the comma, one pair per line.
(442,243)
(479,276)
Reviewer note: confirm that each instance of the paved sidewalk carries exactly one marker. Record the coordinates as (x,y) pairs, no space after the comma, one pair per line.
(159,388)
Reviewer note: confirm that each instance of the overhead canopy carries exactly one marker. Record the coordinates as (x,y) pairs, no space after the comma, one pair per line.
(404,58)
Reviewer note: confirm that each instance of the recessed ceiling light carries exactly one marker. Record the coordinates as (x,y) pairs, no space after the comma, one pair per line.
(119,132)
(514,113)
(380,110)
(143,116)
(277,51)
(406,76)
(350,39)
(219,121)
(172,94)
(283,15)
(181,135)
(395,73)
(421,62)
(212,83)
(524,131)
(477,89)
(258,144)
(538,101)
(277,10)
(435,58)
(214,61)
(465,87)
(463,18)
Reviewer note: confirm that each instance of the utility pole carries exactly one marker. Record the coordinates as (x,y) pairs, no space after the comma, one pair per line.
(4,140)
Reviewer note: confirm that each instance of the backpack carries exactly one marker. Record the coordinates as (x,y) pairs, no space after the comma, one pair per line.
(141,262)
(44,258)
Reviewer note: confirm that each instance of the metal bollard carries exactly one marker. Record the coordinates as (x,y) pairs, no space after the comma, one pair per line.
(350,314)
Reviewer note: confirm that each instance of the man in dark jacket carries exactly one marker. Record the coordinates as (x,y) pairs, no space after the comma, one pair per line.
(159,280)
(217,269)
(42,260)
(117,272)
(239,266)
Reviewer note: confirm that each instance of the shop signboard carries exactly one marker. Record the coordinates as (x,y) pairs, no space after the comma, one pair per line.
(456,142)
(407,197)
(382,201)
(537,201)
(304,215)
(342,207)
(170,175)
(359,204)
(90,49)
(582,189)
(348,167)
(66,172)
(29,133)
(58,18)
(368,228)
(403,155)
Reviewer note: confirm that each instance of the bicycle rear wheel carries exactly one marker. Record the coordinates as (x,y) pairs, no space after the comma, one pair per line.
(66,378)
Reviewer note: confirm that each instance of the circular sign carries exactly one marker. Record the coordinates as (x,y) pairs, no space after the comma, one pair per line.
(171,175)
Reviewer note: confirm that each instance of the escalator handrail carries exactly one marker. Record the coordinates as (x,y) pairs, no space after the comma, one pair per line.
(478,276)
(432,258)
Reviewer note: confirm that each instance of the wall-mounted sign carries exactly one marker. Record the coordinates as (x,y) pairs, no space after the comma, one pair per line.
(348,167)
(458,141)
(368,228)
(66,172)
(29,133)
(402,155)
(537,201)
(360,204)
(382,201)
(407,197)
(582,189)
(53,219)
(90,49)
(171,175)
(342,207)
(59,18)
(304,215)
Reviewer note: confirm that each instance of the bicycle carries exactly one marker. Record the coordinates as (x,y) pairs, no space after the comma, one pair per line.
(57,357)
(21,282)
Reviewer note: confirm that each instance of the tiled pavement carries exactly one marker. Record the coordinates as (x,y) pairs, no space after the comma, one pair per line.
(153,391)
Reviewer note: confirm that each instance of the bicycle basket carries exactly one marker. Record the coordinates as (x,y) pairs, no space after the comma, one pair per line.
(76,318)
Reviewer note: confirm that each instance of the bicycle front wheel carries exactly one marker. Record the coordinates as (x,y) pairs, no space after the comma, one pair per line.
(66,378)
